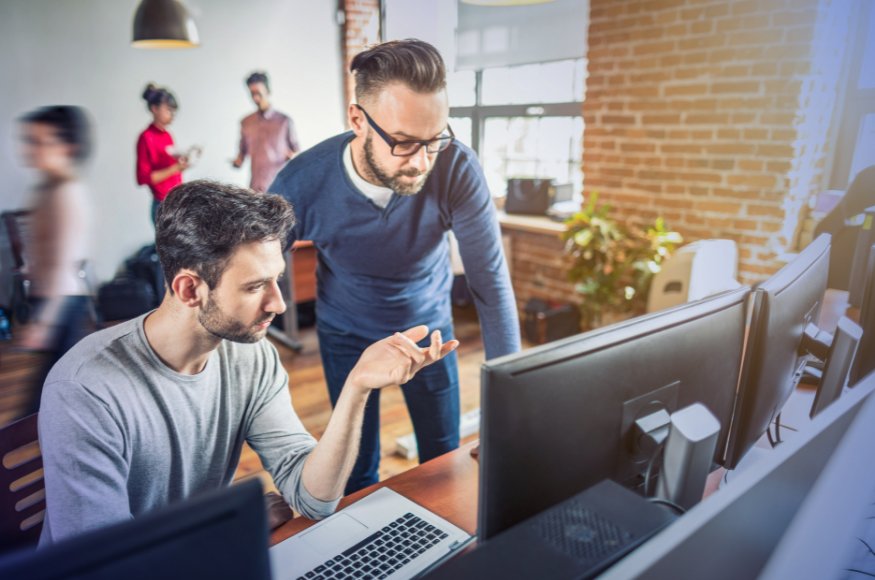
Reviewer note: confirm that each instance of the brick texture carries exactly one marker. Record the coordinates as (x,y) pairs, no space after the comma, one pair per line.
(538,265)
(361,29)
(714,114)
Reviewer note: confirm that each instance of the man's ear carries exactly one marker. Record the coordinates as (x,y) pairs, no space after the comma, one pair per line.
(188,287)
(356,120)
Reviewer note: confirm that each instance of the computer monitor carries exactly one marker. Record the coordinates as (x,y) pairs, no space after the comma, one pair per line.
(832,382)
(865,240)
(781,309)
(864,362)
(561,417)
(790,515)
(222,534)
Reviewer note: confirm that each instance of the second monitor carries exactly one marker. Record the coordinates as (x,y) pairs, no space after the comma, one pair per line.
(559,418)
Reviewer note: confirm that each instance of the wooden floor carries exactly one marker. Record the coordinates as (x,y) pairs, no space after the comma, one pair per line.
(308,390)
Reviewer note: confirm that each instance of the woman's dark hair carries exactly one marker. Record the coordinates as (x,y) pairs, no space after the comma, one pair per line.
(413,62)
(258,77)
(201,223)
(156,96)
(70,123)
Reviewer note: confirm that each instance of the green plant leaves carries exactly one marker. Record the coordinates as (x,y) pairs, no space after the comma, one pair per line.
(613,263)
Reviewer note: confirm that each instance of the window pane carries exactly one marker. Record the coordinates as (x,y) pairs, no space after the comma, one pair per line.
(462,129)
(460,88)
(864,152)
(867,70)
(552,82)
(547,147)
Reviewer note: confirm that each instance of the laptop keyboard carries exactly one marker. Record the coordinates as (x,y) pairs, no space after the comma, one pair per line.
(382,553)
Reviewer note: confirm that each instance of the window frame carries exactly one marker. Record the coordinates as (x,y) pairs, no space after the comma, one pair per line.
(478,112)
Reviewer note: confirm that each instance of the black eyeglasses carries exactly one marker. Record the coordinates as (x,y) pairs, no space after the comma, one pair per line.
(408,148)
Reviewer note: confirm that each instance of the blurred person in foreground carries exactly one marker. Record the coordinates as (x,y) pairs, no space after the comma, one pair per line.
(159,165)
(267,136)
(56,142)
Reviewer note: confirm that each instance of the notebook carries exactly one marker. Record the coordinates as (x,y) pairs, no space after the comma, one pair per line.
(384,535)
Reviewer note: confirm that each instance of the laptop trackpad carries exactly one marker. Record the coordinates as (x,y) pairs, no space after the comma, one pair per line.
(338,531)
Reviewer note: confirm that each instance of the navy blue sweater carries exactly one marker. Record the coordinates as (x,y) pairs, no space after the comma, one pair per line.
(385,270)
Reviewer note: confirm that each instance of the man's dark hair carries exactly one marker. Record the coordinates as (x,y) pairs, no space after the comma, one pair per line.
(156,96)
(413,62)
(258,77)
(69,122)
(201,223)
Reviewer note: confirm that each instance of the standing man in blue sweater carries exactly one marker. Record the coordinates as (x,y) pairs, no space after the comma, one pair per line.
(378,202)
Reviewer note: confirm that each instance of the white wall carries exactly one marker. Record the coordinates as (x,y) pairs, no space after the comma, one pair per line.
(78,52)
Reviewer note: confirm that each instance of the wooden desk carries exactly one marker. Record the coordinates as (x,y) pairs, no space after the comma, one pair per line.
(299,286)
(446,485)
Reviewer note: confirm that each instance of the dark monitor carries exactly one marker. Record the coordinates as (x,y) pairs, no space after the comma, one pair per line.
(792,514)
(845,342)
(558,418)
(865,240)
(864,362)
(222,534)
(781,309)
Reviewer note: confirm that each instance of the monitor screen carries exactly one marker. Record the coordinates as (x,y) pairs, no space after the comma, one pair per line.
(559,418)
(221,534)
(781,308)
(864,362)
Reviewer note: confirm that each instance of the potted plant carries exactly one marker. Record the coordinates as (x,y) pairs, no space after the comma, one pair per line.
(613,263)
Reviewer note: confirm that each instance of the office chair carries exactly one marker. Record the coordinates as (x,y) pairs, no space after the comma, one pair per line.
(859,196)
(22,488)
(14,225)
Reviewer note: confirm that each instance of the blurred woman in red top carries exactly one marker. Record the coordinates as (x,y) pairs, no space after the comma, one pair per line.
(158,166)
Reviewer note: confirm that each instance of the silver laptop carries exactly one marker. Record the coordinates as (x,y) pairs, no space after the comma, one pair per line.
(384,535)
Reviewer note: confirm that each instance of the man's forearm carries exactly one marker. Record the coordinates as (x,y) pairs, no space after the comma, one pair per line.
(330,463)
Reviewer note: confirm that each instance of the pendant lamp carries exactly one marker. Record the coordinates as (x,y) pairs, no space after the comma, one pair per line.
(164,24)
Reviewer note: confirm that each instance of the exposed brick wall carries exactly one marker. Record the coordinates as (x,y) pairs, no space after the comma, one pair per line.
(361,28)
(714,114)
(539,267)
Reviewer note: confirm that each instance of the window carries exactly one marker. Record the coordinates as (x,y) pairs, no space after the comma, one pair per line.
(523,121)
(516,96)
(856,140)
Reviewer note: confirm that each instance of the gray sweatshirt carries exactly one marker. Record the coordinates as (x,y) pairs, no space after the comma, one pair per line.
(121,433)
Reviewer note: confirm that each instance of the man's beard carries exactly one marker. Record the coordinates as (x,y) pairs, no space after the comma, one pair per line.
(221,325)
(394,182)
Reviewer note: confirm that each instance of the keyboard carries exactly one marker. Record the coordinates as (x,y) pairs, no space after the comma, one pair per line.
(382,553)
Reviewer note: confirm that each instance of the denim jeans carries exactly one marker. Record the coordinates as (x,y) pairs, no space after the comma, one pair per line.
(432,398)
(74,323)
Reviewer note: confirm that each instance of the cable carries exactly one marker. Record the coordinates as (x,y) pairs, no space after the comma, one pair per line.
(772,441)
(649,471)
(778,428)
(669,503)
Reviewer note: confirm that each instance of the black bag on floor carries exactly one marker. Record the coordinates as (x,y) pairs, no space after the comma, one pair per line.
(125,297)
(546,322)
(145,265)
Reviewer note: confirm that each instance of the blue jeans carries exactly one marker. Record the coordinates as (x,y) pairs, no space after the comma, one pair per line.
(432,398)
(155,205)
(73,324)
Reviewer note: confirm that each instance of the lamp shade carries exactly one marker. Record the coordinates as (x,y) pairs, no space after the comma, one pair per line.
(164,24)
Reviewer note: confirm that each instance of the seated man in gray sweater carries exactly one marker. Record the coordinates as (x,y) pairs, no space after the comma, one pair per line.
(156,409)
